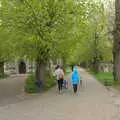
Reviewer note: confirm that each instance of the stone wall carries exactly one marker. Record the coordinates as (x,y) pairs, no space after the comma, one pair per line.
(13,67)
(105,67)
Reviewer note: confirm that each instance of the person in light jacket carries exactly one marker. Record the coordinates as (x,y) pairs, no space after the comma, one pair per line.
(75,79)
(60,77)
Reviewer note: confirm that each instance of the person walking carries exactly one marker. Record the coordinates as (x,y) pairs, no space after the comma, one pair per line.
(75,79)
(60,77)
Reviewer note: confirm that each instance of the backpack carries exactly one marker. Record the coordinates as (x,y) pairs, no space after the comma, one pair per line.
(61,76)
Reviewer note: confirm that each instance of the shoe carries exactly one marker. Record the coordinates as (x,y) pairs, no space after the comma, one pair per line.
(60,92)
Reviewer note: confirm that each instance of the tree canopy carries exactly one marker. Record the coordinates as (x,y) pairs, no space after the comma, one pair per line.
(40,30)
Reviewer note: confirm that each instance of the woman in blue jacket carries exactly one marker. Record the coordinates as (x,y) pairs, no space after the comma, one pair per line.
(75,79)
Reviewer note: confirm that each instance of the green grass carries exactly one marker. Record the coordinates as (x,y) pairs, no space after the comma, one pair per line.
(31,86)
(105,78)
(68,70)
(116,84)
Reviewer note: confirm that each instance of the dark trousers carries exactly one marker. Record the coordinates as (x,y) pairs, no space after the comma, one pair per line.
(60,84)
(75,87)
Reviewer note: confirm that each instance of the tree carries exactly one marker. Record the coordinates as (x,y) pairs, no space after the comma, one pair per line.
(80,29)
(6,51)
(94,45)
(116,46)
(34,24)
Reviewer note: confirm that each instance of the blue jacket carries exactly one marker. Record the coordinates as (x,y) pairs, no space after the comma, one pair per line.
(75,77)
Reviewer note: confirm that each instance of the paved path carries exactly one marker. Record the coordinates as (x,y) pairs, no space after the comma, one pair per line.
(94,102)
(11,88)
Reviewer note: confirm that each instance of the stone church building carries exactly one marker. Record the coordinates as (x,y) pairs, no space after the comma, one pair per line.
(26,67)
(19,67)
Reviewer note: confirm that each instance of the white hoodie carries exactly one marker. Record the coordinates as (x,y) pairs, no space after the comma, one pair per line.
(58,72)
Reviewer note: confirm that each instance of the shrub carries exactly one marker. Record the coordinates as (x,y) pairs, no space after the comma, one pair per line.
(3,76)
(108,82)
(32,87)
(50,81)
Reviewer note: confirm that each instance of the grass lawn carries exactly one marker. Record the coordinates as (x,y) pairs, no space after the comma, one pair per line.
(106,79)
(68,70)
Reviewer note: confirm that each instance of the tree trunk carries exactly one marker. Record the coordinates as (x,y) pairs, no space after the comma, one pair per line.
(95,66)
(116,69)
(97,55)
(116,46)
(1,67)
(40,74)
